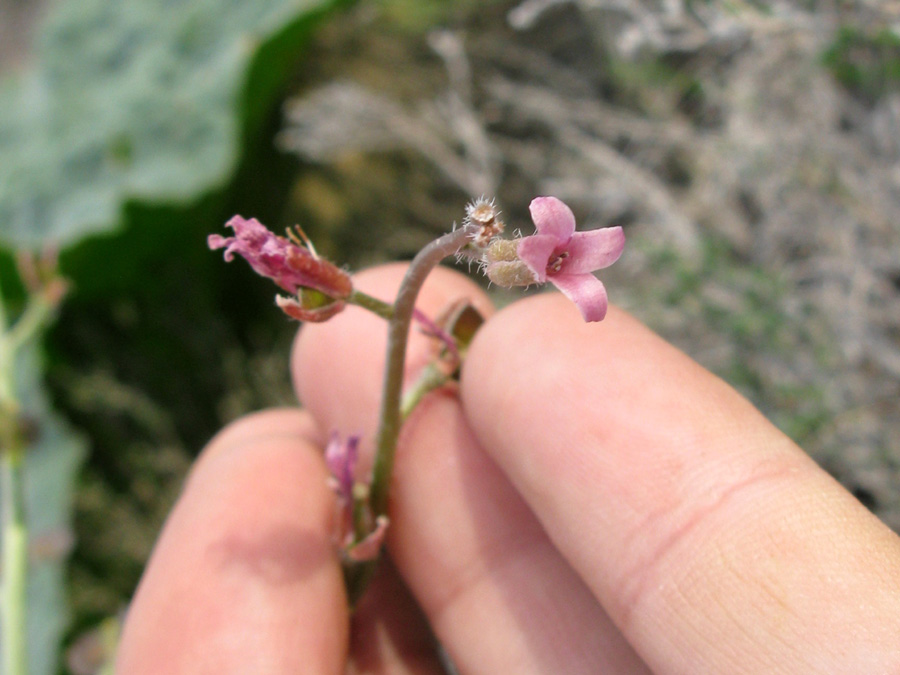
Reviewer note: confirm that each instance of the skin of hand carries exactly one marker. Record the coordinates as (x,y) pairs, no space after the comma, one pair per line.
(589,500)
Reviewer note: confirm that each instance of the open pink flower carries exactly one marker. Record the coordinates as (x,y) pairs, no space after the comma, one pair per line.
(293,267)
(566,258)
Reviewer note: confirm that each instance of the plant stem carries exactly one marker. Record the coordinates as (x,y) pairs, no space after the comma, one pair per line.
(15,529)
(15,560)
(431,378)
(36,315)
(395,362)
(379,307)
(13,594)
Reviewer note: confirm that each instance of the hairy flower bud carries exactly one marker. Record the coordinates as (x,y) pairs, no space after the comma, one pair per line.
(486,216)
(502,250)
(503,267)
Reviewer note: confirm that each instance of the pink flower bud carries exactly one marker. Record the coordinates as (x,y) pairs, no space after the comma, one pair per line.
(503,267)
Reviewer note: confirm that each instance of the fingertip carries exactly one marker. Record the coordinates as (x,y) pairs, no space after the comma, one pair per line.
(245,575)
(252,428)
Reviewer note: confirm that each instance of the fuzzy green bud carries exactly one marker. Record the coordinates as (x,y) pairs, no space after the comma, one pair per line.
(503,266)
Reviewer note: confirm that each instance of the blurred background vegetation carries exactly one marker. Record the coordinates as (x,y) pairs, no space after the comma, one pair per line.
(751,150)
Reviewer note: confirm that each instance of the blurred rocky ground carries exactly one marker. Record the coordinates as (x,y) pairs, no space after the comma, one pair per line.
(750,149)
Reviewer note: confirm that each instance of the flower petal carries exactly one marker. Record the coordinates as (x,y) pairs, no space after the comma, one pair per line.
(553,217)
(342,458)
(215,241)
(265,251)
(586,291)
(535,252)
(593,250)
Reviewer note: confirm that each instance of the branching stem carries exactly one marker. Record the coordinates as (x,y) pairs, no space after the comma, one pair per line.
(13,594)
(398,336)
(366,301)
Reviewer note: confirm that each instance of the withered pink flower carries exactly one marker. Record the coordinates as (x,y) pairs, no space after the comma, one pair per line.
(566,258)
(293,267)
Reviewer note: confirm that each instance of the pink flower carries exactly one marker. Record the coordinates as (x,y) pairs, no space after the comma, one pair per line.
(294,268)
(566,258)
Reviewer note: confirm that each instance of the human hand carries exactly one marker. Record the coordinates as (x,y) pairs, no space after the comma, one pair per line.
(591,501)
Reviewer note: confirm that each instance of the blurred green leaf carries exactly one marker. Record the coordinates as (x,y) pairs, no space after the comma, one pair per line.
(144,100)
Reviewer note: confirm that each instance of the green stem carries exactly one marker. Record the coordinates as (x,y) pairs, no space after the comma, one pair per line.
(15,529)
(379,307)
(399,315)
(15,561)
(13,595)
(35,316)
(431,378)
(395,362)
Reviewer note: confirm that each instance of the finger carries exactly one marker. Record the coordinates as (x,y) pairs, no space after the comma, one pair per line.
(244,578)
(715,544)
(497,591)
(497,594)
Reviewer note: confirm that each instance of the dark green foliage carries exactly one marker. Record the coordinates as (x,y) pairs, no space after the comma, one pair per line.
(866,63)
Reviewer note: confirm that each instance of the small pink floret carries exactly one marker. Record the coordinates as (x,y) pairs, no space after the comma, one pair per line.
(266,252)
(566,258)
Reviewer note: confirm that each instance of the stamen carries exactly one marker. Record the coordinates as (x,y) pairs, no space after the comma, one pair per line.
(555,265)
(298,236)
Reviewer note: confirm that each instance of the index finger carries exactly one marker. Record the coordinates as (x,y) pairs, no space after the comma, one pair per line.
(713,542)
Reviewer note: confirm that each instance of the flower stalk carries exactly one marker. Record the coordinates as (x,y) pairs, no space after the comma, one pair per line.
(383,309)
(45,292)
(15,560)
(432,377)
(389,417)
(359,573)
(318,289)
